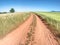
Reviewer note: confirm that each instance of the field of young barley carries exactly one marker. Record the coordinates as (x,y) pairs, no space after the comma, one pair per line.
(10,21)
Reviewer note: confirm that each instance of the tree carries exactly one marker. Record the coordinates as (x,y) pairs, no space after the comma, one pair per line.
(12,10)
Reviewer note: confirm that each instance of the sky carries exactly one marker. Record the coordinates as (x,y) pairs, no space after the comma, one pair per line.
(29,5)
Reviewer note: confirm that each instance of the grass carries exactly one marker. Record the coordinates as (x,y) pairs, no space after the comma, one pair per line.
(53,15)
(10,21)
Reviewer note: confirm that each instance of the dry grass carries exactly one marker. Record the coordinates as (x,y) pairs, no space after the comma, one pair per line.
(10,21)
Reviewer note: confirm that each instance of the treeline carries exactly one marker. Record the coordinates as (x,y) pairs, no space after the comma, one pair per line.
(3,12)
(12,10)
(55,11)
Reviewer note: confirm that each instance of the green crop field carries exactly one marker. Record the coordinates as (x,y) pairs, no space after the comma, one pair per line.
(53,15)
(10,21)
(52,18)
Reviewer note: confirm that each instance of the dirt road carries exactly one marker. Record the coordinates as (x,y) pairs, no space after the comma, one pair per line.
(31,32)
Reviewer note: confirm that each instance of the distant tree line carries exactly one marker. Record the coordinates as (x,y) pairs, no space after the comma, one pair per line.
(55,11)
(12,10)
(3,12)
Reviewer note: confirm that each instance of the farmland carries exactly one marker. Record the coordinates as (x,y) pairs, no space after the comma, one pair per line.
(10,21)
(52,18)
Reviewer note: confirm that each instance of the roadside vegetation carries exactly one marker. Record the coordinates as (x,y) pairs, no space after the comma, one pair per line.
(10,21)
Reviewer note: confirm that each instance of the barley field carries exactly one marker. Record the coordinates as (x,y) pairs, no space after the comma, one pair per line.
(10,21)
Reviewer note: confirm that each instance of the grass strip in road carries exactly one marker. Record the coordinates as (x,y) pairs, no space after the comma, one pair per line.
(30,34)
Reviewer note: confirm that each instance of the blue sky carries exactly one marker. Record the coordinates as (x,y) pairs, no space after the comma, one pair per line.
(29,5)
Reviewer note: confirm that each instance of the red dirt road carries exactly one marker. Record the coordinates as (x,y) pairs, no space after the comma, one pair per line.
(42,35)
